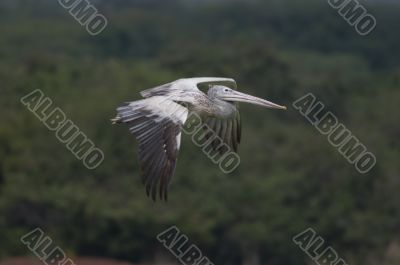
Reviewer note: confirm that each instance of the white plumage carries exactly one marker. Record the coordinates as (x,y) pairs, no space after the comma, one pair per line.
(157,120)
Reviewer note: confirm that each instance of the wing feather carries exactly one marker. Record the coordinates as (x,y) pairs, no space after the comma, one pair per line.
(156,123)
(181,89)
(227,130)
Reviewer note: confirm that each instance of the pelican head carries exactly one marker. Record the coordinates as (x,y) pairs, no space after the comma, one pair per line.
(228,94)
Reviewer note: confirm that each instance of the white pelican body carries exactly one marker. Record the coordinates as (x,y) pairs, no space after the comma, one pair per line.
(157,120)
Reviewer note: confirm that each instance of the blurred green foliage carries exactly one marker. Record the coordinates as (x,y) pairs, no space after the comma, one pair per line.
(290,177)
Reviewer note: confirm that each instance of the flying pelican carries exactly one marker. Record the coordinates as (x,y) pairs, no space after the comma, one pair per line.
(157,120)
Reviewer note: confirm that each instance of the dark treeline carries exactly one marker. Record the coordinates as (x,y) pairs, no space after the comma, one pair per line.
(290,177)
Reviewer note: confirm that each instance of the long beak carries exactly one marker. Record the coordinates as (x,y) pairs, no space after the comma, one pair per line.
(241,97)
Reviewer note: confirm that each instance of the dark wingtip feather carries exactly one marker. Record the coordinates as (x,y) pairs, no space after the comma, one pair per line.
(158,147)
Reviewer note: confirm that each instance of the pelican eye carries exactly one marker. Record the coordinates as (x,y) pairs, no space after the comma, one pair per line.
(226,90)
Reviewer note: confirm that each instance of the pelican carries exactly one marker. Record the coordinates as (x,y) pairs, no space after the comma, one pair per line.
(157,121)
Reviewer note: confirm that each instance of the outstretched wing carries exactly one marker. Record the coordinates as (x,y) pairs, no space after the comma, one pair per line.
(182,89)
(212,81)
(228,131)
(156,123)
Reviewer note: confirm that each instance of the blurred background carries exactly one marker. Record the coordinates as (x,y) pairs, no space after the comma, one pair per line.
(290,177)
